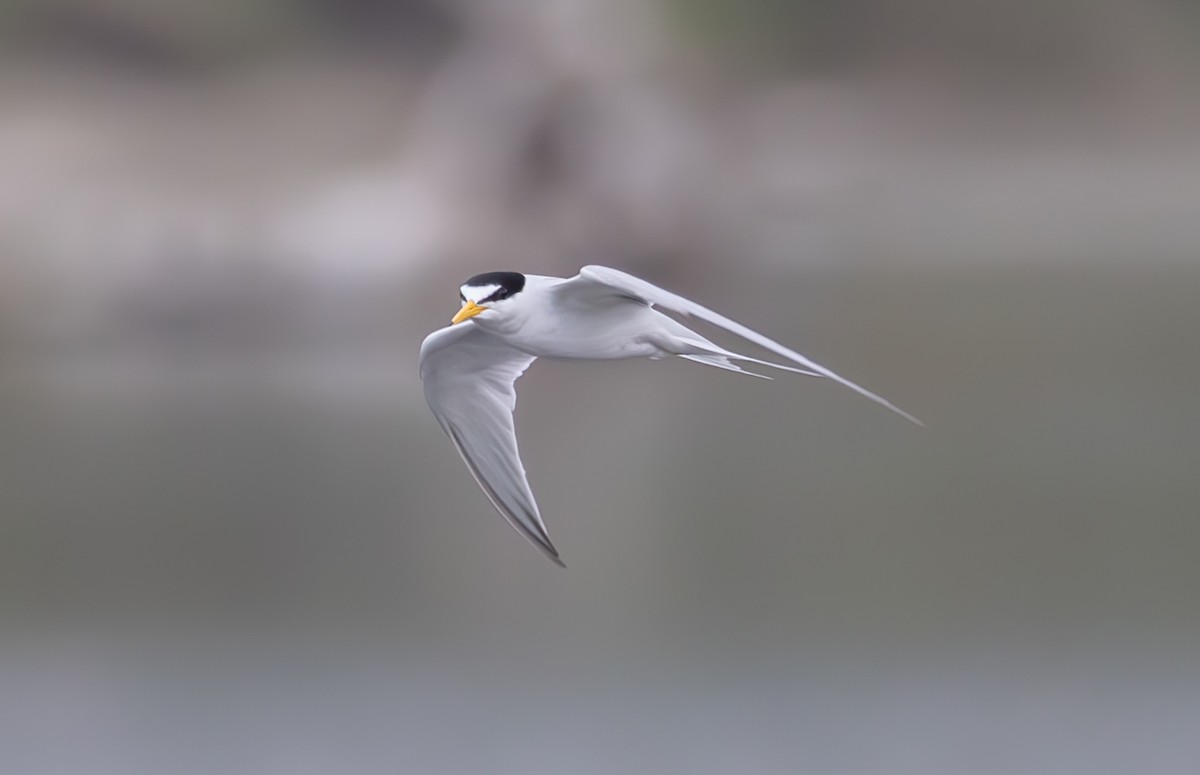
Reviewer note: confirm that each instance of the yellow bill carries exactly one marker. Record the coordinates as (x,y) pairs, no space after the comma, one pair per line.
(469,310)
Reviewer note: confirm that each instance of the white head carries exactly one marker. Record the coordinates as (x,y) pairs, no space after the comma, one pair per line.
(488,291)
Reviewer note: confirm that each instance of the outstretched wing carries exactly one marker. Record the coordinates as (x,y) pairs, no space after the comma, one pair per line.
(469,378)
(626,285)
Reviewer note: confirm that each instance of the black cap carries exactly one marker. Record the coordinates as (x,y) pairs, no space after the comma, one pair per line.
(507,284)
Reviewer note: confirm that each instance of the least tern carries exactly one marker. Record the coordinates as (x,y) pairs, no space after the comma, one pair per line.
(509,319)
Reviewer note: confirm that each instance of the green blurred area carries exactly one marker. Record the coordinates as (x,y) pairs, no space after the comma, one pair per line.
(814,36)
(182,37)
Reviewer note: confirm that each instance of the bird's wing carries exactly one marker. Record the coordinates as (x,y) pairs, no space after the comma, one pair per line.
(469,378)
(601,279)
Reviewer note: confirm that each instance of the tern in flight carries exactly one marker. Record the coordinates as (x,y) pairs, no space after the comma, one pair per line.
(509,319)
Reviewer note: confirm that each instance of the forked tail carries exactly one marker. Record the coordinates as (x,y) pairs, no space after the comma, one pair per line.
(710,354)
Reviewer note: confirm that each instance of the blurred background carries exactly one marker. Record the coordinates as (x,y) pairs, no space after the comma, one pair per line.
(233,539)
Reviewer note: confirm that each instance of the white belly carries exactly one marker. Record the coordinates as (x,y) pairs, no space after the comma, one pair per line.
(624,331)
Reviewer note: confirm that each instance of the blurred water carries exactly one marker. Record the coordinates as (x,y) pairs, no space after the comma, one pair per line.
(201,703)
(277,563)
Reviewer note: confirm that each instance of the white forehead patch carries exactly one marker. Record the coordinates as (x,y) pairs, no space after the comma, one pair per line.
(476,293)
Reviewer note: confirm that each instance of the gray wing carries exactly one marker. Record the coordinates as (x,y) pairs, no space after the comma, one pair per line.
(602,278)
(469,378)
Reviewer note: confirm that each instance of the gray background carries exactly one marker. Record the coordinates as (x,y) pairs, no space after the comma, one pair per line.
(232,539)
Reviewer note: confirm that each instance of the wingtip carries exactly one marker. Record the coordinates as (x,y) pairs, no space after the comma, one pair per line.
(543,544)
(551,551)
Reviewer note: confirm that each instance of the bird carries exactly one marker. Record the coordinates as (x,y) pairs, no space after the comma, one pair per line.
(507,320)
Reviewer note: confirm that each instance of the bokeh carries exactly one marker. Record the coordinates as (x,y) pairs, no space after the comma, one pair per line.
(233,539)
